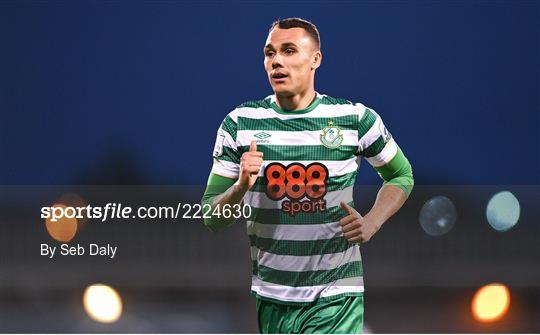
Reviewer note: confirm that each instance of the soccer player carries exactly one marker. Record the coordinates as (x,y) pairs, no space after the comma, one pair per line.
(293,157)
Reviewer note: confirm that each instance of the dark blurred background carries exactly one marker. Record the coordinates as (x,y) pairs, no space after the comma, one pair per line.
(132,93)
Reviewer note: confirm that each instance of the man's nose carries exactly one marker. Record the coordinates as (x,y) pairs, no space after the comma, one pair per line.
(276,61)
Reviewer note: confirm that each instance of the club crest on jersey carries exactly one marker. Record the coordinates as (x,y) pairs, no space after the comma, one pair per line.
(331,136)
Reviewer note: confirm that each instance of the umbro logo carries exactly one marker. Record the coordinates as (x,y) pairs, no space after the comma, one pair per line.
(262,135)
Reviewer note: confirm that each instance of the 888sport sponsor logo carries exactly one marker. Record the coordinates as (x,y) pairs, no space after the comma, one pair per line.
(303,186)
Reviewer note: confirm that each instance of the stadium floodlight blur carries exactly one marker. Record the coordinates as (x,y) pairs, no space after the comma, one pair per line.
(503,211)
(102,303)
(438,216)
(491,302)
(63,229)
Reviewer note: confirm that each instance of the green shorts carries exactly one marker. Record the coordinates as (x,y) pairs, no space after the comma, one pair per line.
(343,315)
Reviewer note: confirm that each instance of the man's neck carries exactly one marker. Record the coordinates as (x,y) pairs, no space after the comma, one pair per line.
(296,102)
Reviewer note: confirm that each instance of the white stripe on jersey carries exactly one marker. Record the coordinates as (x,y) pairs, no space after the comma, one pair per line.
(292,232)
(226,168)
(244,137)
(335,168)
(308,263)
(385,156)
(372,135)
(306,293)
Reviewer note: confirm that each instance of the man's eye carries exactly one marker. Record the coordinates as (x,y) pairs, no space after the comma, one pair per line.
(269,53)
(289,51)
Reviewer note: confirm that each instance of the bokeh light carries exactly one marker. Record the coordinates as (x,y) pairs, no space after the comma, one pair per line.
(438,216)
(63,229)
(491,302)
(503,211)
(102,303)
(74,200)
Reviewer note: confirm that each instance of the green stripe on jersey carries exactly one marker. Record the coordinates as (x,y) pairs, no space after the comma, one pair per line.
(230,155)
(304,152)
(310,278)
(275,216)
(366,123)
(375,148)
(229,126)
(300,248)
(347,122)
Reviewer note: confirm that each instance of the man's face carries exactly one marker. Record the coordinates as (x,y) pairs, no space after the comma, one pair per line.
(290,57)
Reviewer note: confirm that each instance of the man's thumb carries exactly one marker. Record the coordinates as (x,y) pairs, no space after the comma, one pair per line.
(347,208)
(253,146)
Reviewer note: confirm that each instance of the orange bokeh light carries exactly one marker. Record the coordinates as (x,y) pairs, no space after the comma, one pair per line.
(63,229)
(74,200)
(102,303)
(490,302)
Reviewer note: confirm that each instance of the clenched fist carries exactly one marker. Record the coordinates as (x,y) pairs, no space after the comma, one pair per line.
(250,164)
(355,228)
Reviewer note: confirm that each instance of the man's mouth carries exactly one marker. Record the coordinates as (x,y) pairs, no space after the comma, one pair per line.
(279,77)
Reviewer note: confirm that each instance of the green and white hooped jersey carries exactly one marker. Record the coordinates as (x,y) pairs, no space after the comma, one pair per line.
(310,163)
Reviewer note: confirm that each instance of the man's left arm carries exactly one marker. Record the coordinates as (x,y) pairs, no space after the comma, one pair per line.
(398,184)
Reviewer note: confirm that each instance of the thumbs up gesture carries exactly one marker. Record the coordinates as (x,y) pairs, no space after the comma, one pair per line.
(250,164)
(355,228)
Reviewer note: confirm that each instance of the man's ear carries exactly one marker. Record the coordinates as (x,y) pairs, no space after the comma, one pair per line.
(317,59)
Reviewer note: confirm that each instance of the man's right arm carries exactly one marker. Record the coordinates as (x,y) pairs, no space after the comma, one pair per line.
(222,191)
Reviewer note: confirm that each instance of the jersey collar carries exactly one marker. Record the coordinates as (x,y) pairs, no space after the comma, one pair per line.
(308,109)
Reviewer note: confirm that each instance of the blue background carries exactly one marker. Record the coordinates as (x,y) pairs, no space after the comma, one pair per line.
(133,92)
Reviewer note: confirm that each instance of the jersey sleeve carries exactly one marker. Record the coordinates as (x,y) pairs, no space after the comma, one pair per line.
(375,143)
(226,154)
(380,149)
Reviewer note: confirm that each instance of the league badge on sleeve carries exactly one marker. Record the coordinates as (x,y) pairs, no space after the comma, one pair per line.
(385,133)
(331,136)
(218,148)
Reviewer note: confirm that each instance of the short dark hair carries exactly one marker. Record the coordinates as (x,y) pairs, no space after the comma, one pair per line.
(296,22)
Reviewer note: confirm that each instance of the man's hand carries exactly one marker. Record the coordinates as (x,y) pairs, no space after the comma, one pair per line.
(355,227)
(250,164)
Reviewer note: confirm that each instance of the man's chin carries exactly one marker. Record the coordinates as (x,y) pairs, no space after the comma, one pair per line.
(282,91)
